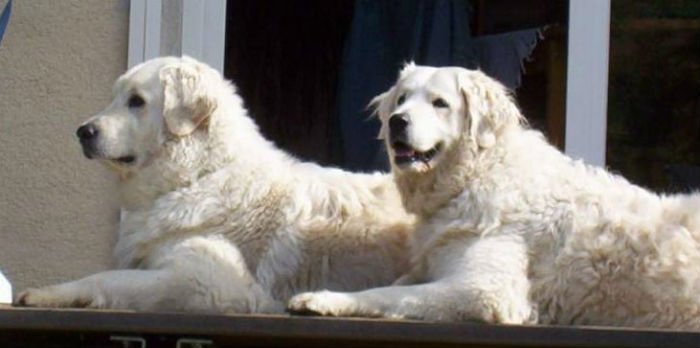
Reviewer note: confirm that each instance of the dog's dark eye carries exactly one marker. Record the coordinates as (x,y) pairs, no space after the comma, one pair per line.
(135,101)
(440,103)
(401,99)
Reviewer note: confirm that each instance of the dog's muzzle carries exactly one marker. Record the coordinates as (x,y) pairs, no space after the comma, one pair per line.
(89,136)
(404,153)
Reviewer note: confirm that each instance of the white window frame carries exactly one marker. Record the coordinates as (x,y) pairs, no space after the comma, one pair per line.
(144,30)
(203,30)
(587,80)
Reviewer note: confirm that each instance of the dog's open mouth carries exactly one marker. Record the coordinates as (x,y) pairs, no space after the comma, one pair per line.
(404,153)
(126,159)
(92,153)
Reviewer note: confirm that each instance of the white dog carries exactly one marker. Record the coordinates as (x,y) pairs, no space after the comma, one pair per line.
(514,231)
(215,218)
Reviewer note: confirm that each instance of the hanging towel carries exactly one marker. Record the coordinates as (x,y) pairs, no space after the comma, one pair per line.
(502,56)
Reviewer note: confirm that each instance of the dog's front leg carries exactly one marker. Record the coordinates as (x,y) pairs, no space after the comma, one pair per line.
(119,289)
(394,302)
(484,281)
(441,301)
(198,275)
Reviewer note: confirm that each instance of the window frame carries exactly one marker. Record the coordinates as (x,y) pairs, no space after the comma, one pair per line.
(201,24)
(587,80)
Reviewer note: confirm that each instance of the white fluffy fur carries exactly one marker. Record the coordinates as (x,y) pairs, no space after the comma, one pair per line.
(215,218)
(514,231)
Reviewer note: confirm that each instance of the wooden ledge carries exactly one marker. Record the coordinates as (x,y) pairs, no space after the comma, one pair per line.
(27,327)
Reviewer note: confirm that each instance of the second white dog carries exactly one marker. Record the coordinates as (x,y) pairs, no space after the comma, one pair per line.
(514,231)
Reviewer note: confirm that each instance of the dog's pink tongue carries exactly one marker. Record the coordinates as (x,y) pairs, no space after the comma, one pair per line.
(404,152)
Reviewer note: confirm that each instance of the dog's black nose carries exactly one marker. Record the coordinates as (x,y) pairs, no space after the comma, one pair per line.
(398,123)
(87,132)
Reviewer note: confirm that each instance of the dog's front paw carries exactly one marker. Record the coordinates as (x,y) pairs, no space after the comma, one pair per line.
(37,297)
(326,303)
(48,297)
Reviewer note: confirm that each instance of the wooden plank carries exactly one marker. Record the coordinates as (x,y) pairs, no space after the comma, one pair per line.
(283,330)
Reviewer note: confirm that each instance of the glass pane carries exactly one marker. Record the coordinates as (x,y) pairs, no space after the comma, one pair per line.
(654,94)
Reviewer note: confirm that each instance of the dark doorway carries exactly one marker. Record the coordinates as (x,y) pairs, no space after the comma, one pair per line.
(284,58)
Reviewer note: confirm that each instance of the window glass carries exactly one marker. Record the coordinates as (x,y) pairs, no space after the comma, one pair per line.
(653,133)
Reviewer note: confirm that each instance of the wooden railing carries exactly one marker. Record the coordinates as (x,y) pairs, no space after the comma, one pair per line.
(21,327)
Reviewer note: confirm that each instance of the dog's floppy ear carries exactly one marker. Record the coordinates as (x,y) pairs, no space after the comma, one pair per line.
(383,103)
(408,68)
(381,106)
(187,100)
(489,106)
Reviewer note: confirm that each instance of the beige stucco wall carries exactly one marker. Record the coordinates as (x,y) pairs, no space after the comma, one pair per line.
(58,211)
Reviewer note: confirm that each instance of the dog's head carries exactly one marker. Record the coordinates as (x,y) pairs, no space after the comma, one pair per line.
(156,100)
(432,111)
